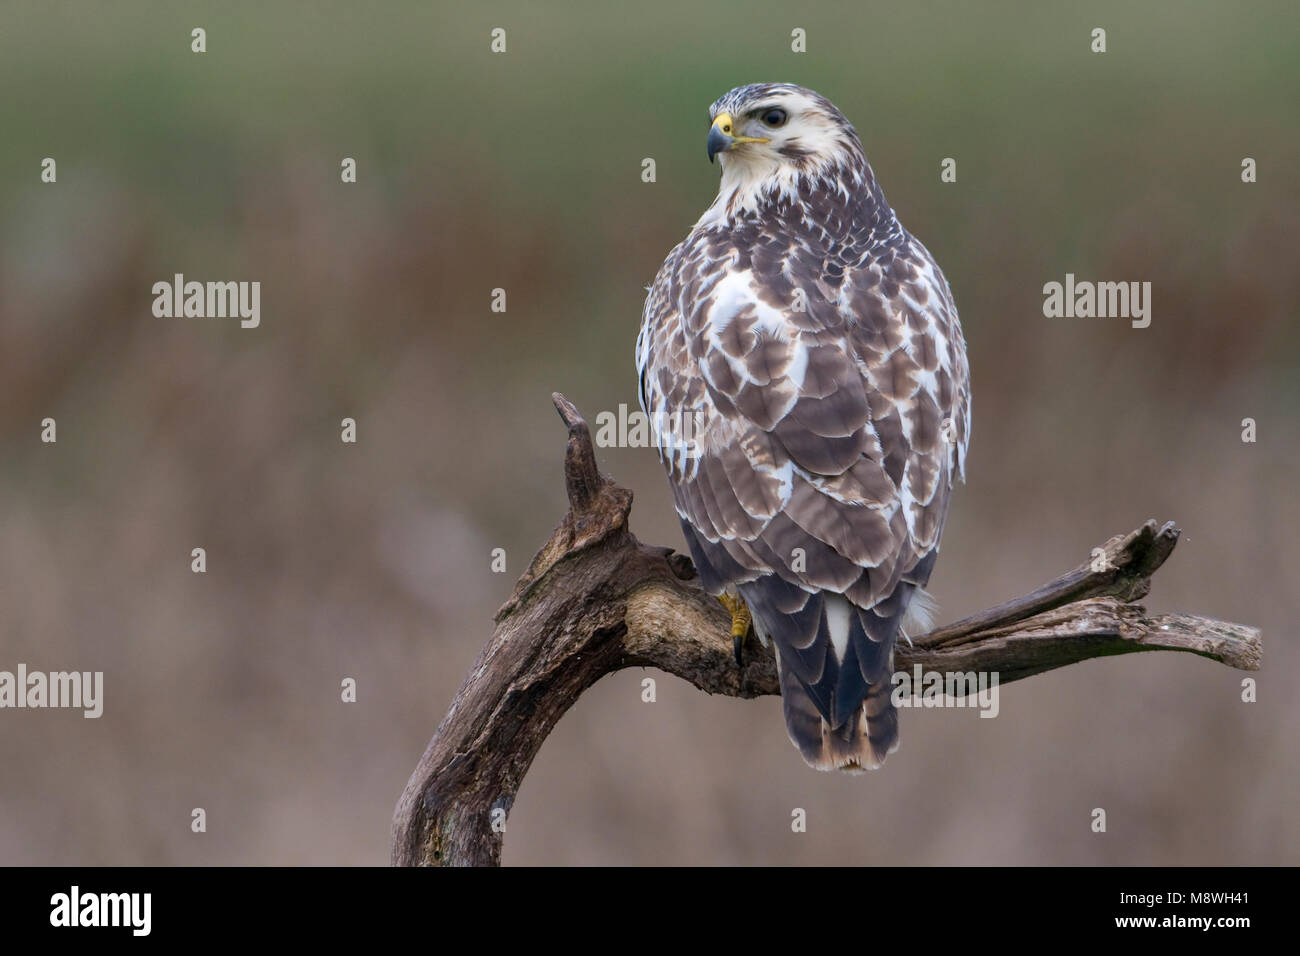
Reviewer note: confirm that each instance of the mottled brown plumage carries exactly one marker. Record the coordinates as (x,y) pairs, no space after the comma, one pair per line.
(812,346)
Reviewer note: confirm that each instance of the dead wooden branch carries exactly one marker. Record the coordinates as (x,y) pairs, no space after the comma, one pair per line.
(595,600)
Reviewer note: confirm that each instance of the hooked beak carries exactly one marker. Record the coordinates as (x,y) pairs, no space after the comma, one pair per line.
(722,136)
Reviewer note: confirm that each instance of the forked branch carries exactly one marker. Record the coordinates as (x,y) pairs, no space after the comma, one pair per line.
(595,600)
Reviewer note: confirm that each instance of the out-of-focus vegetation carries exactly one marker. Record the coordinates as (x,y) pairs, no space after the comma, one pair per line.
(522,171)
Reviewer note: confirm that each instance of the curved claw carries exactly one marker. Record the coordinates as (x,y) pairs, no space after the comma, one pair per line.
(740,622)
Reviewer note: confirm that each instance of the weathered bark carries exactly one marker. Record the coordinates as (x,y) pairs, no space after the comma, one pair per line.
(595,600)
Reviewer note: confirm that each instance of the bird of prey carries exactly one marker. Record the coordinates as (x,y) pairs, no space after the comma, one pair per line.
(810,346)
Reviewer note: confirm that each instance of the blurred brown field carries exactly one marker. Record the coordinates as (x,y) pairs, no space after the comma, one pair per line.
(522,171)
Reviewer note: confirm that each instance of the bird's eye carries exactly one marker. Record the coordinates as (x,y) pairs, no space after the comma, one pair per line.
(774,118)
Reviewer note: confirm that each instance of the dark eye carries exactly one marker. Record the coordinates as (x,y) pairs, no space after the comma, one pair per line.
(774,118)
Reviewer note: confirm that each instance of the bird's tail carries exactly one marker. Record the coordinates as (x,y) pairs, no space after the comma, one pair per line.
(861,743)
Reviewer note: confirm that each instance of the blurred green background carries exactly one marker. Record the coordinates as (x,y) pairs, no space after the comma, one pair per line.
(522,171)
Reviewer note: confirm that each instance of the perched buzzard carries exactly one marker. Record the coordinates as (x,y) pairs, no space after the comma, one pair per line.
(811,348)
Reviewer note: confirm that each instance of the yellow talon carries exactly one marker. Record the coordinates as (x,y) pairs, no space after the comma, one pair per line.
(740,616)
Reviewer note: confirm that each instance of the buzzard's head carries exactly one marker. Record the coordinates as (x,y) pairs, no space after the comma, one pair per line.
(767,127)
(769,136)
